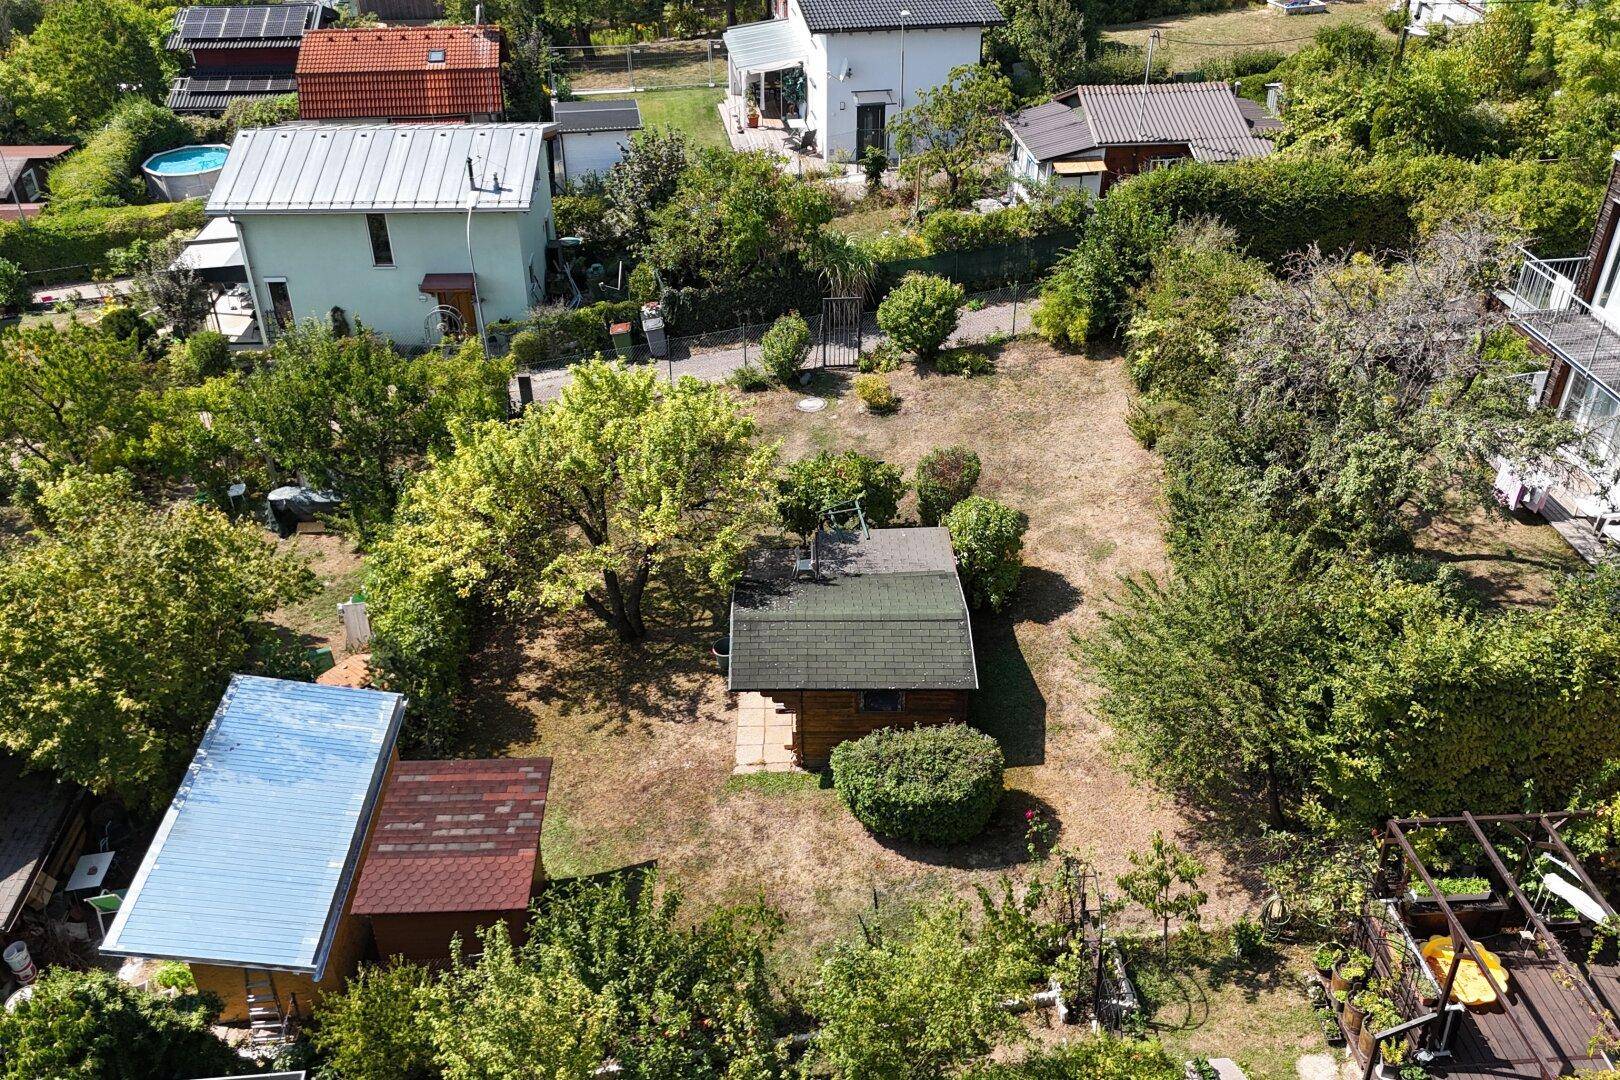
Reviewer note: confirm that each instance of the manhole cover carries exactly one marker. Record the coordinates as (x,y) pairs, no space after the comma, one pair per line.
(811,404)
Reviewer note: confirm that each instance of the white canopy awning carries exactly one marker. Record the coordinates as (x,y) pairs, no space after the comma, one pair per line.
(765,46)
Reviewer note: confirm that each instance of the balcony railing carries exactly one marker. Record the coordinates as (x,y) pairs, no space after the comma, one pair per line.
(1544,304)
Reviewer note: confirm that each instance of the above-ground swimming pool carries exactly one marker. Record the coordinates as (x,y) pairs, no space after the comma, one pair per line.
(187,172)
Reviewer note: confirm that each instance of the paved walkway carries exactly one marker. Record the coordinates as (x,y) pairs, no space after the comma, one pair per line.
(86,291)
(764,735)
(716,364)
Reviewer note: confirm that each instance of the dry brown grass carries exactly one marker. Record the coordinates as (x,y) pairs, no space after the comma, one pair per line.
(642,737)
(1511,560)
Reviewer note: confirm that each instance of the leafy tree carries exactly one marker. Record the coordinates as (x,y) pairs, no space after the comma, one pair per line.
(733,216)
(954,132)
(1360,393)
(72,396)
(379,1028)
(925,1000)
(814,485)
(1213,679)
(90,1025)
(119,628)
(585,500)
(511,1015)
(181,297)
(921,313)
(351,413)
(1086,294)
(14,291)
(945,476)
(67,75)
(1164,880)
(640,183)
(1056,38)
(988,539)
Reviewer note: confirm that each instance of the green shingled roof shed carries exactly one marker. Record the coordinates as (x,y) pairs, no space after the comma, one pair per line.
(883,612)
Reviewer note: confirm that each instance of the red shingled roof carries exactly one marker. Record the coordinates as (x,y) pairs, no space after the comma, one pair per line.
(455,836)
(394,73)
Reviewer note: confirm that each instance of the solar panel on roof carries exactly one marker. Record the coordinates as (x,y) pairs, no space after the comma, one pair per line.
(254,21)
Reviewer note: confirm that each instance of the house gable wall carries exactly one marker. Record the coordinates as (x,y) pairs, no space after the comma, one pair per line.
(326,262)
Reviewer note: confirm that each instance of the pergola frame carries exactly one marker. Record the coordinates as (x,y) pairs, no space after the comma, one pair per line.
(1542,835)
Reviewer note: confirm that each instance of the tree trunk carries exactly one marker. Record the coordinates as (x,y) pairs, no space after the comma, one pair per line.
(1273,794)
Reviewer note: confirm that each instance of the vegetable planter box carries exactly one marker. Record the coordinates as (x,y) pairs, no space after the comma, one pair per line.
(1479,913)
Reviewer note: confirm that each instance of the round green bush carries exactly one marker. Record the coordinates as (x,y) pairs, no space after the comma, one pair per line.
(931,785)
(14,294)
(784,347)
(920,313)
(207,354)
(988,539)
(528,350)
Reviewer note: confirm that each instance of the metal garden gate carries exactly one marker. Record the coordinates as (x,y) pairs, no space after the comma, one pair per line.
(840,331)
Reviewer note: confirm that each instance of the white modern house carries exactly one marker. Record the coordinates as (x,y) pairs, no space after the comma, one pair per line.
(1431,13)
(842,69)
(415,230)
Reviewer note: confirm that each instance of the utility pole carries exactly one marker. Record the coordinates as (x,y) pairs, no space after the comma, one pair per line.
(1147,72)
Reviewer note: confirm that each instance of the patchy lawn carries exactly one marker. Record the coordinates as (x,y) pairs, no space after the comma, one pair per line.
(642,737)
(1513,560)
(693,112)
(338,574)
(1193,40)
(869,217)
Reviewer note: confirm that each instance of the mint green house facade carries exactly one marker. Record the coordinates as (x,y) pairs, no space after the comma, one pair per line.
(413,230)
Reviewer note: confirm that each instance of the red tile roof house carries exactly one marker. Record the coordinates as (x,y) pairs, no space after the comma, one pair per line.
(455,847)
(401,73)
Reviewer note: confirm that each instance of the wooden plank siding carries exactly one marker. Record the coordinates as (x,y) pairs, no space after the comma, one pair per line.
(825,718)
(1602,234)
(424,937)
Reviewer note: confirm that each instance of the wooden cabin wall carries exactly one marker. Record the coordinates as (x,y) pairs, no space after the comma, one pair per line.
(829,717)
(425,937)
(350,945)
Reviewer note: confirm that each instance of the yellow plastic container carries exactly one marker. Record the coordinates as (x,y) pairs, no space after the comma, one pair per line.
(1471,988)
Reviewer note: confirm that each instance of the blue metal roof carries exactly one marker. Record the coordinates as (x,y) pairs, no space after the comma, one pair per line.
(253,861)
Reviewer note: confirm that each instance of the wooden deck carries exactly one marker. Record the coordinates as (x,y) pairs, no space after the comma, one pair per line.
(1557,1022)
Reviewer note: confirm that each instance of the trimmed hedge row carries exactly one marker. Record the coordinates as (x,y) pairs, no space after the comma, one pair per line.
(79,240)
(931,785)
(105,172)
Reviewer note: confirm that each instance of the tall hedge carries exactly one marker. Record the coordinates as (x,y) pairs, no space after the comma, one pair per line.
(82,238)
(1281,205)
(106,170)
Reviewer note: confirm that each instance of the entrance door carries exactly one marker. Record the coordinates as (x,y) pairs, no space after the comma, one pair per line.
(462,301)
(870,121)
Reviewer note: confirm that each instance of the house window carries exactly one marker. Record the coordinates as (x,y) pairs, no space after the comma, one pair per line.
(1594,412)
(281,308)
(435,56)
(382,252)
(1160,163)
(882,700)
(30,186)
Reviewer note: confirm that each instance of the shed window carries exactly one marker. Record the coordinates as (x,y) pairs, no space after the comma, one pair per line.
(382,252)
(882,700)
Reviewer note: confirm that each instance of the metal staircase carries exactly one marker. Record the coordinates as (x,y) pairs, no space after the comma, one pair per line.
(269,1026)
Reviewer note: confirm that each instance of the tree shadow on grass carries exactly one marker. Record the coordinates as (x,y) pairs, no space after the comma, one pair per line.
(1003,843)
(522,667)
(1044,596)
(1009,704)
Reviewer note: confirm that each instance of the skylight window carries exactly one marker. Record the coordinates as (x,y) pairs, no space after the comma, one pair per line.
(435,56)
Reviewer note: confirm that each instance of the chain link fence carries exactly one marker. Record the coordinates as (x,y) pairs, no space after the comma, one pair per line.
(713,357)
(653,65)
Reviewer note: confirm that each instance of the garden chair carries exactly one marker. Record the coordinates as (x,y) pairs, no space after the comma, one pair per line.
(106,904)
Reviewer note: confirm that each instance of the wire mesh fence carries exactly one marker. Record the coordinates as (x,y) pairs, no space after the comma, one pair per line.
(715,356)
(653,65)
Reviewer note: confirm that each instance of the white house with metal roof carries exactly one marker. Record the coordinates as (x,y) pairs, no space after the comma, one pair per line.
(842,69)
(1093,136)
(249,875)
(414,230)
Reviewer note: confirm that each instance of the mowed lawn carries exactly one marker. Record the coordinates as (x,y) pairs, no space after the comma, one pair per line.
(1191,41)
(693,111)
